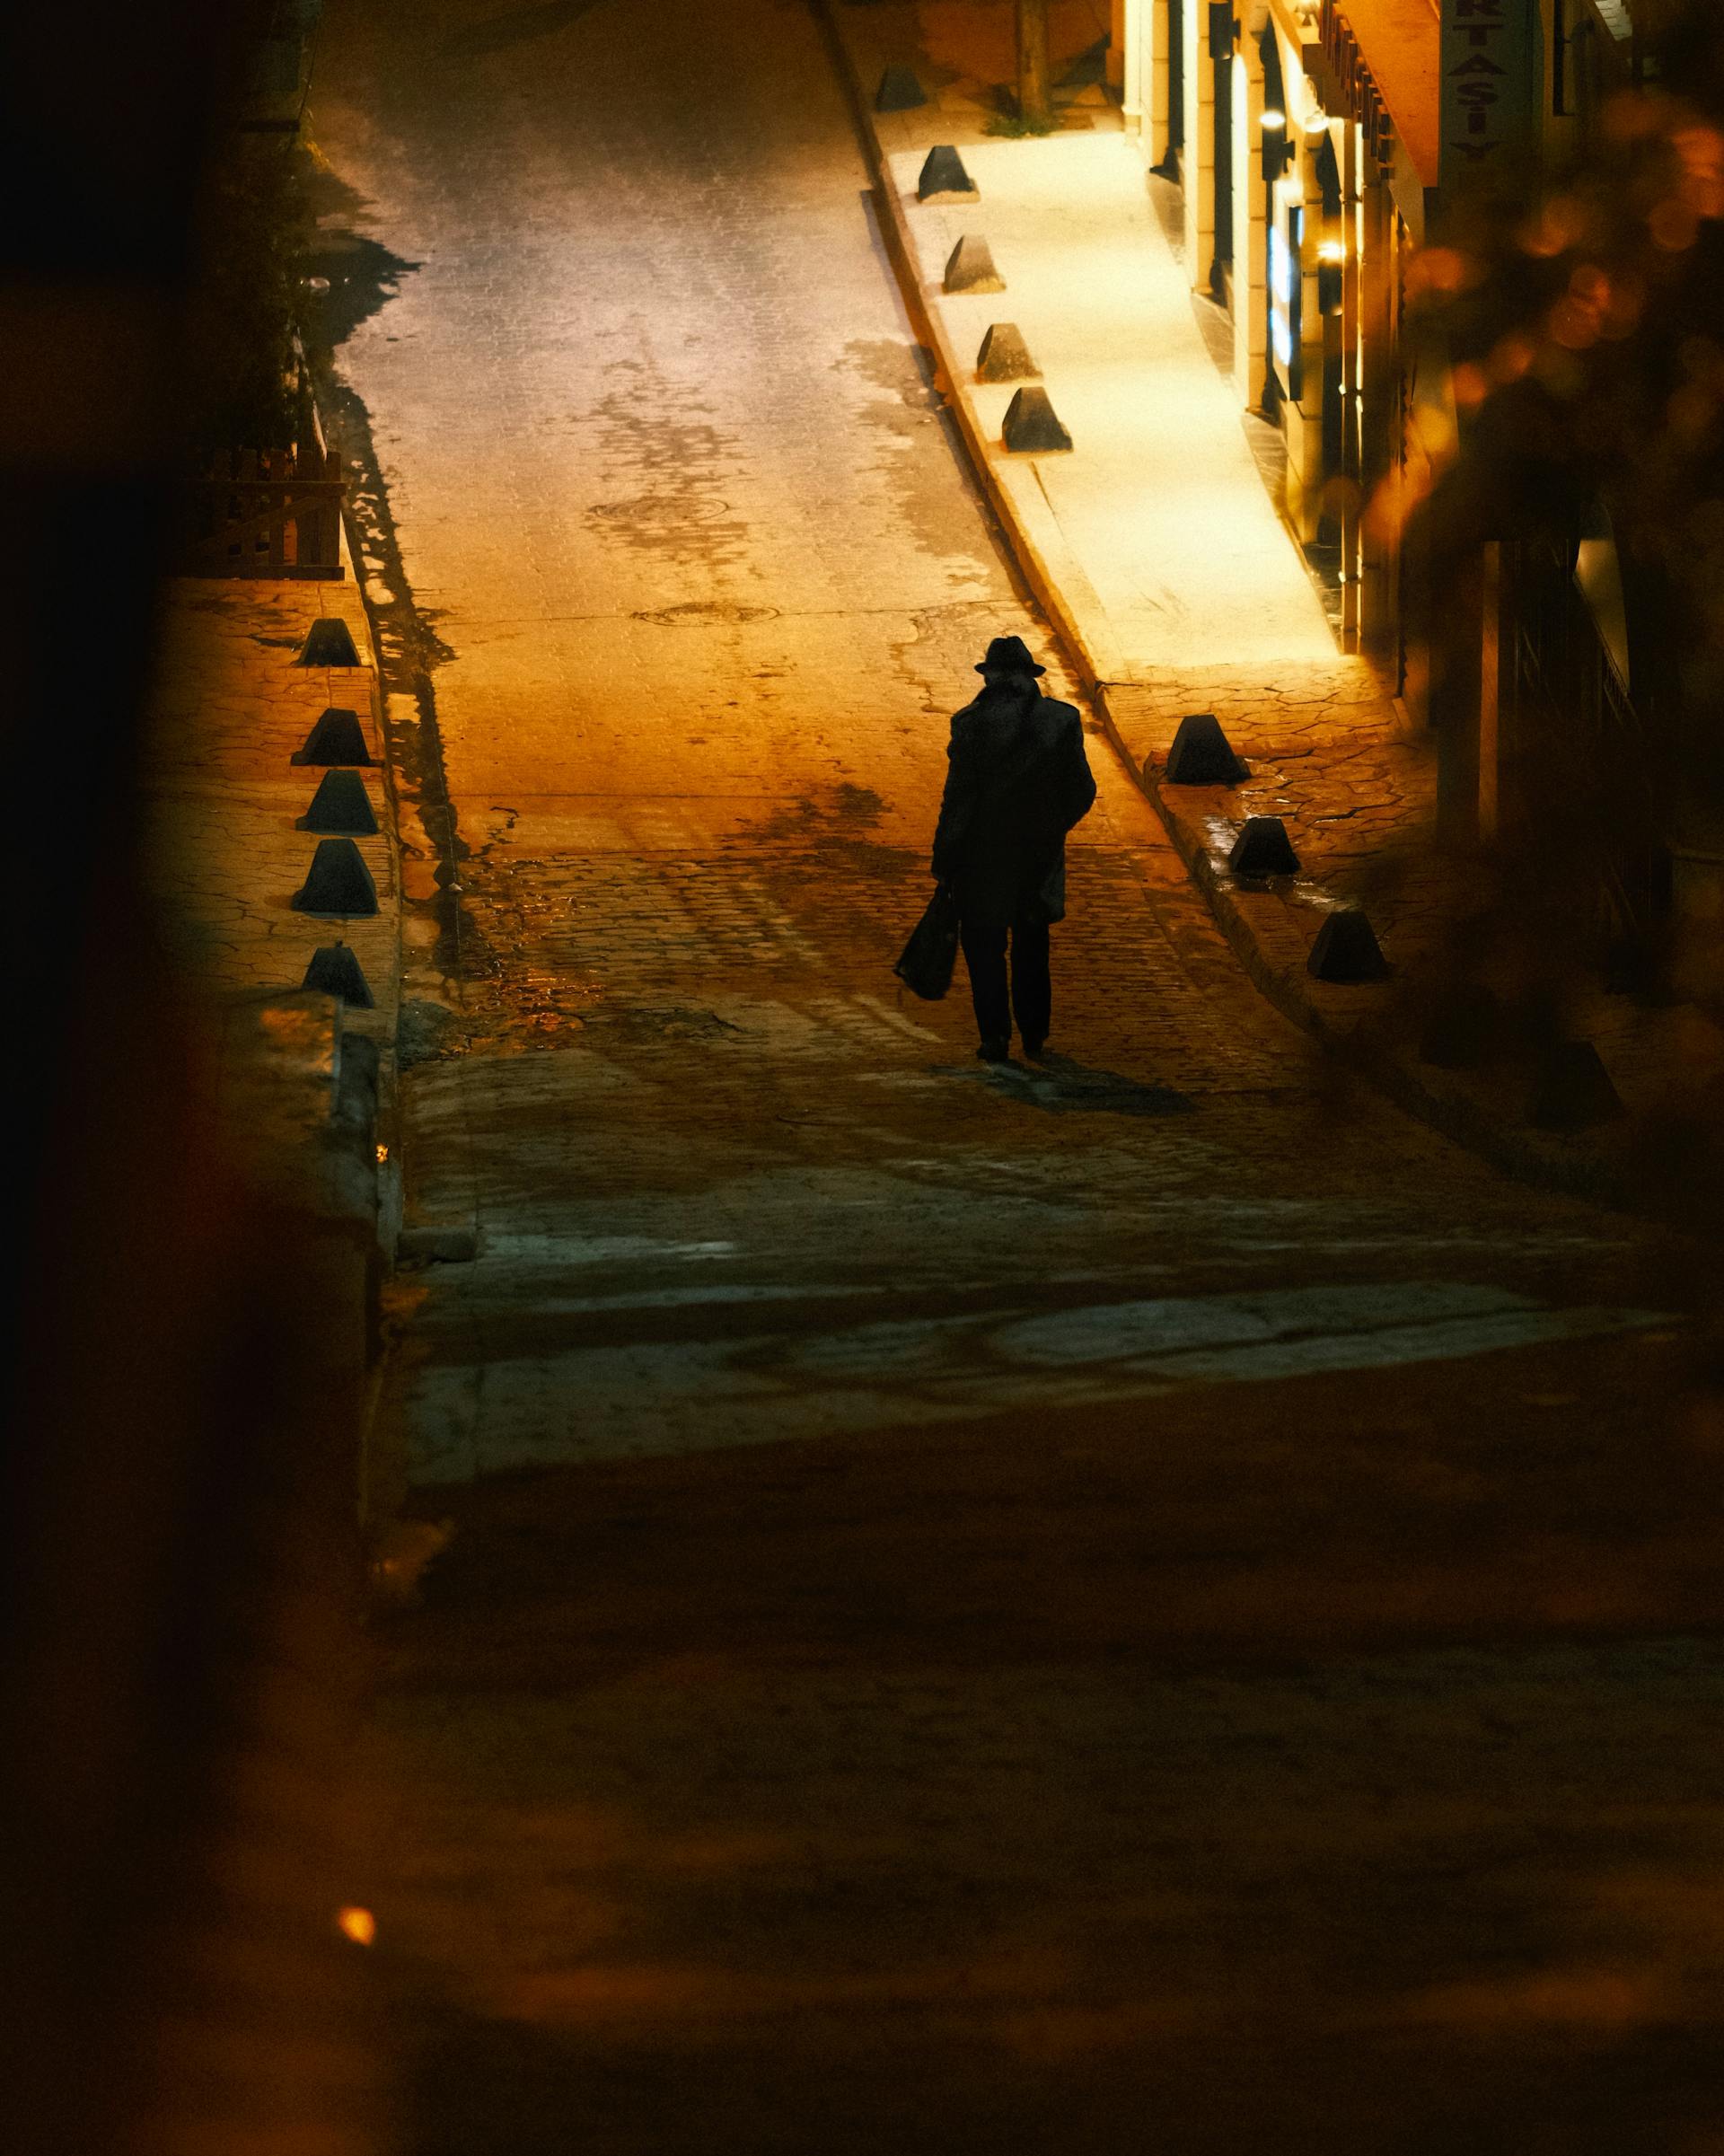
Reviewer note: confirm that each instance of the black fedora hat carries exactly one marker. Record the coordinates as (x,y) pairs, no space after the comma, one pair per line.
(1009,655)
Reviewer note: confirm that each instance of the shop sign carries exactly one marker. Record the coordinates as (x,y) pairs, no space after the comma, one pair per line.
(1283,271)
(1490,58)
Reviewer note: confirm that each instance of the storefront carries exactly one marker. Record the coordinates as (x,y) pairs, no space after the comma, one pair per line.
(1305,176)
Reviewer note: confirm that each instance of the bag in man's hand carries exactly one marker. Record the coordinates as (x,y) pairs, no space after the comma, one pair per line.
(926,967)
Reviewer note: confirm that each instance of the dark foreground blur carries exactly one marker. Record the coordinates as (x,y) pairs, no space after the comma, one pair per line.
(179,1516)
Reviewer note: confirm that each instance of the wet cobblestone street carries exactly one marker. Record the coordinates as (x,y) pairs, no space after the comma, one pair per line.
(1146,1602)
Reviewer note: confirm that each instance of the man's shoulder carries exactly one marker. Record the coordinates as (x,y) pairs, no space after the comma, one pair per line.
(1060,718)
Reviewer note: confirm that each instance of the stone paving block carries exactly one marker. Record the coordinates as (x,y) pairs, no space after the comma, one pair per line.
(337,884)
(969,267)
(944,177)
(1004,357)
(329,642)
(1346,949)
(899,90)
(1262,848)
(1201,754)
(341,806)
(337,737)
(1031,428)
(335,970)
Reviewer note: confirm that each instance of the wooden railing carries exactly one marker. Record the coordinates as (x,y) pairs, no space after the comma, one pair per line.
(265,513)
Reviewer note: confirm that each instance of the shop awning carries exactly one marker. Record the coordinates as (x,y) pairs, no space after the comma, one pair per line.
(1398,40)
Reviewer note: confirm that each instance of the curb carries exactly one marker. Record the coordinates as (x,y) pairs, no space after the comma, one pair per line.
(1052,572)
(1456,1119)
(455,1240)
(1049,567)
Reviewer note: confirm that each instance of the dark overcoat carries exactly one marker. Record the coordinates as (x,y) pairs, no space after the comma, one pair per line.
(1017,781)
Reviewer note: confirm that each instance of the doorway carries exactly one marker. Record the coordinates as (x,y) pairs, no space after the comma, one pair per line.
(1221,30)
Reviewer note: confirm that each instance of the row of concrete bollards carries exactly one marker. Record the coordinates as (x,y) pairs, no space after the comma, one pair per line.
(338,885)
(1031,428)
(1466,1027)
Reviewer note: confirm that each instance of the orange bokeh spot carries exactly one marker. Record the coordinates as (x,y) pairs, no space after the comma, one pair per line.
(1556,227)
(1470,384)
(357,1924)
(1572,325)
(1622,308)
(1589,285)
(1439,269)
(1700,149)
(1511,358)
(1674,224)
(1691,411)
(1630,114)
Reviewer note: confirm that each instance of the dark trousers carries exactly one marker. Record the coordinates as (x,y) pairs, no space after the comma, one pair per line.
(1032,992)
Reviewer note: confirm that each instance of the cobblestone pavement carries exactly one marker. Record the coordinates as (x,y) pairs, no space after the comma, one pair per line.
(1142,538)
(1038,1622)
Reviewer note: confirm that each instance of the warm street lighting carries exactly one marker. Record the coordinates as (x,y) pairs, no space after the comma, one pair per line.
(1272,118)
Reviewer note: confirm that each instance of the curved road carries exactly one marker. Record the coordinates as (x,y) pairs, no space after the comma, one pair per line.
(1145,1603)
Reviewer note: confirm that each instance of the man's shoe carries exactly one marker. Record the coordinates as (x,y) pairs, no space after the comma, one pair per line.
(1035,1048)
(995,1051)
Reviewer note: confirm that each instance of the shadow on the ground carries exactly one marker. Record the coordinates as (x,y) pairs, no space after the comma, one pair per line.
(362,276)
(1360,1508)
(1085,2079)
(516,26)
(1063,1086)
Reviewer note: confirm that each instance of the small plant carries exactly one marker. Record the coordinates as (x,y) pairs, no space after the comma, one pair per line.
(1009,117)
(1013,123)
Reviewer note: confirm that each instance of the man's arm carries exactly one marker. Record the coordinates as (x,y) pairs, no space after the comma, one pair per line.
(1078,781)
(957,807)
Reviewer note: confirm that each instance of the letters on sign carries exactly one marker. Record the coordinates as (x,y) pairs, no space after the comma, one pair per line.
(1490,53)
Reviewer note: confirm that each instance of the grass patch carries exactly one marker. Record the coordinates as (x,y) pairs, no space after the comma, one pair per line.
(1015,123)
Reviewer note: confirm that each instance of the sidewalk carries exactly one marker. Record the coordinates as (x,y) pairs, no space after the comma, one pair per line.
(305,1081)
(1162,561)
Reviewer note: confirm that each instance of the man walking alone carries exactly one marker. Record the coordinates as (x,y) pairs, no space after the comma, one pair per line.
(1017,782)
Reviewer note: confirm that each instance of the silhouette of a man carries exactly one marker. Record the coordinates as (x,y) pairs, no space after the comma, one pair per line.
(1017,782)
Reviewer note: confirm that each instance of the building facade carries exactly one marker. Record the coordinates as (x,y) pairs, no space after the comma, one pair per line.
(1311,141)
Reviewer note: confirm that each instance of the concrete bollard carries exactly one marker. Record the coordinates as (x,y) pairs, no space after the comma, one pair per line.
(1201,753)
(1263,848)
(339,884)
(1346,949)
(340,805)
(329,642)
(969,267)
(1463,1029)
(1574,1090)
(1032,426)
(1004,355)
(944,177)
(899,91)
(338,738)
(336,971)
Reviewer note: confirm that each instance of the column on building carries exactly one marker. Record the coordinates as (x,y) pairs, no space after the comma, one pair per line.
(1292,175)
(1249,290)
(1152,40)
